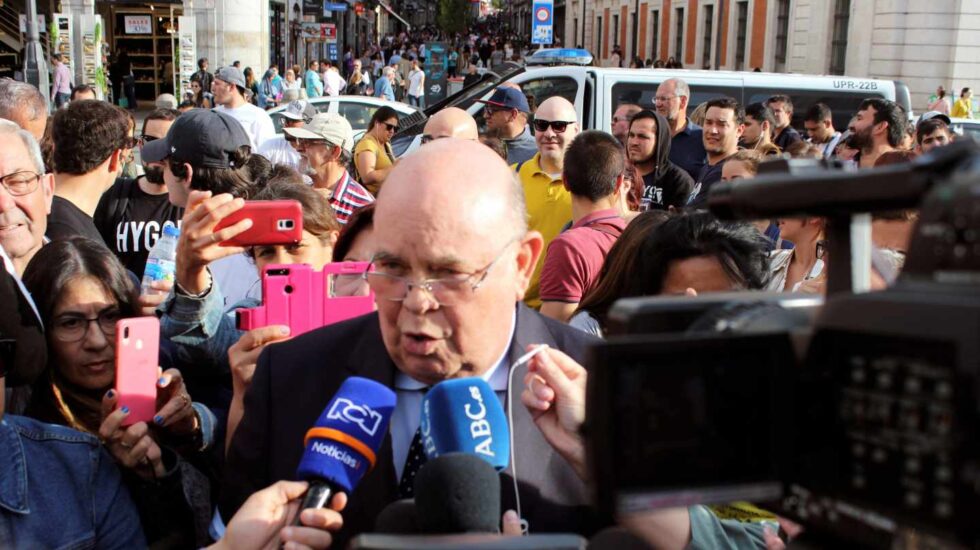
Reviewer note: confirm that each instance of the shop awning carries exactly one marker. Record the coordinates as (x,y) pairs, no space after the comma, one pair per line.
(395,15)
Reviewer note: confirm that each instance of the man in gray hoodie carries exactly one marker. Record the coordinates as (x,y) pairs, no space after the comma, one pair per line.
(648,146)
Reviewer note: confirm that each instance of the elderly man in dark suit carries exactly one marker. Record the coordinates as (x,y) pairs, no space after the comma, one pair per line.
(453,258)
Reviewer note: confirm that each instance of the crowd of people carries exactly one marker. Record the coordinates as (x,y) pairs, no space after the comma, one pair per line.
(480,247)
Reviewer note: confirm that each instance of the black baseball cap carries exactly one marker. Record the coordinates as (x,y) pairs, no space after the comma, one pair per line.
(202,138)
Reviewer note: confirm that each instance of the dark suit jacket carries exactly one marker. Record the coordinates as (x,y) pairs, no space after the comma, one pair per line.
(295,380)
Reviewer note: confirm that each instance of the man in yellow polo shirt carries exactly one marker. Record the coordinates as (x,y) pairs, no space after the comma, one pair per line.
(549,204)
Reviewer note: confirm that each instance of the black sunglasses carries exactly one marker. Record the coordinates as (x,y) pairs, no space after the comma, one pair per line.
(391,127)
(558,126)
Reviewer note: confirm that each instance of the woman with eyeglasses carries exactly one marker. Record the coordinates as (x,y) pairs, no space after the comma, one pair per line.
(81,292)
(373,157)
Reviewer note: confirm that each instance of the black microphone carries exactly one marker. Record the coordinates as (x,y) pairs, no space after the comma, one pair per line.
(399,517)
(457,493)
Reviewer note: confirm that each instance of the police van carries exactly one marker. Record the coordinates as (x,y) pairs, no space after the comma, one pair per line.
(597,91)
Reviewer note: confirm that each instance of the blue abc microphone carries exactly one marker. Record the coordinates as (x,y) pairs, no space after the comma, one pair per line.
(465,416)
(342,446)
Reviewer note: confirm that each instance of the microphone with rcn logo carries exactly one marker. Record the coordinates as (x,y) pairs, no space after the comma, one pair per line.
(342,446)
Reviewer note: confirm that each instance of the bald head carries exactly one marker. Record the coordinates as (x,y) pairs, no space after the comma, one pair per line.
(556,108)
(439,184)
(452,211)
(451,122)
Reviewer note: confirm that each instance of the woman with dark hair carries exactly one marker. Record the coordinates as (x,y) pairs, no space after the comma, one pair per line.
(207,324)
(689,254)
(76,285)
(251,85)
(373,157)
(200,97)
(355,243)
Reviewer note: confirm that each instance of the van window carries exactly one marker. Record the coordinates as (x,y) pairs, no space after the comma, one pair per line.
(843,105)
(541,89)
(642,93)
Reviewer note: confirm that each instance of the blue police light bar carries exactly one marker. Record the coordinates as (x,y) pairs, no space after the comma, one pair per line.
(560,56)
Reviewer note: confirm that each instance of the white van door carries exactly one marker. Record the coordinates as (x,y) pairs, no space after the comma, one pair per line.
(640,87)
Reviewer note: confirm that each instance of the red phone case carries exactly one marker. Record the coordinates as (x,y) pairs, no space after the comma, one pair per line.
(273,222)
(137,354)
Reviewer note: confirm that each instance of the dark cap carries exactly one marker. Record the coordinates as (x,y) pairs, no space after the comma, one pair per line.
(934,114)
(508,98)
(202,138)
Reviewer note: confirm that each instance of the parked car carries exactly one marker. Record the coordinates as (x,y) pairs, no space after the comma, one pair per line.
(358,110)
(969,127)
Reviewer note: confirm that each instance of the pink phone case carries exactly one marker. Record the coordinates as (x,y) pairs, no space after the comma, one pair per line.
(341,308)
(137,354)
(299,296)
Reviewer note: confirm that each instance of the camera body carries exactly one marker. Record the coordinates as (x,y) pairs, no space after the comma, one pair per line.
(857,417)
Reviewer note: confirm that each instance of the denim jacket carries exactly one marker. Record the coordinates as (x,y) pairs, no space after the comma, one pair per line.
(202,323)
(60,489)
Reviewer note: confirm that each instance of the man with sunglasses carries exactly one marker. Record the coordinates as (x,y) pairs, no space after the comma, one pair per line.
(549,203)
(326,144)
(280,150)
(506,115)
(132,213)
(91,142)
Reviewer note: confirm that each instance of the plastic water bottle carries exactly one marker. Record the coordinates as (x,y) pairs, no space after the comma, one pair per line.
(161,262)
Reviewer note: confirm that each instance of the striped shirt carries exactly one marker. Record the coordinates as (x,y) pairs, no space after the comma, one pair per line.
(348,196)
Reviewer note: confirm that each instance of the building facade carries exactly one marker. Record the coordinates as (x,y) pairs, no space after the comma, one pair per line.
(924,43)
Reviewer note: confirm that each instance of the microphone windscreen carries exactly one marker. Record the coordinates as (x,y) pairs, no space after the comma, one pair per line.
(465,416)
(398,518)
(343,444)
(457,493)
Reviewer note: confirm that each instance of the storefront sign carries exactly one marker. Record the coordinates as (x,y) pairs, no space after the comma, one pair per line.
(138,24)
(334,6)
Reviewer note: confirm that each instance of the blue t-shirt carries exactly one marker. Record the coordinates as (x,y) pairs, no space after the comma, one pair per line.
(687,150)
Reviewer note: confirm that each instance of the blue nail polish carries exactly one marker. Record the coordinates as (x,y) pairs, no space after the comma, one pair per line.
(125,409)
(158,419)
(162,381)
(110,394)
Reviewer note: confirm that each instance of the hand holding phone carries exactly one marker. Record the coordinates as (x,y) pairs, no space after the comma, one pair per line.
(198,243)
(137,354)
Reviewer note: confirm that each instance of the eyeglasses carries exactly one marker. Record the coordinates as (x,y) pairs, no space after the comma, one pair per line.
(72,327)
(663,98)
(391,127)
(21,183)
(558,126)
(383,278)
(131,142)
